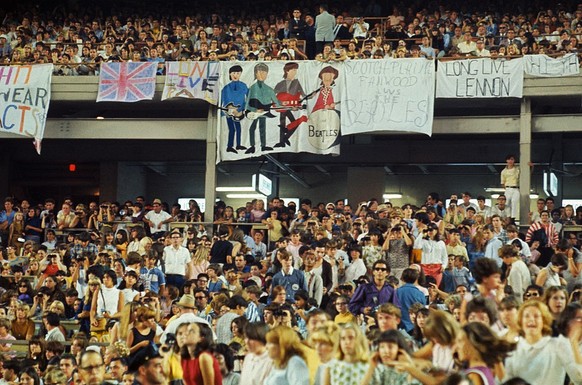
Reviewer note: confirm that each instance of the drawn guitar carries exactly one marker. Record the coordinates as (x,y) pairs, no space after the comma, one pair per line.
(232,111)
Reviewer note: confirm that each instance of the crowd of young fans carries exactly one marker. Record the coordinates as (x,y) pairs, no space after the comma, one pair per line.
(333,293)
(77,44)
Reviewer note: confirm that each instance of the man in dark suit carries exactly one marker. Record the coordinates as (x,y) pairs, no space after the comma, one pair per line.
(341,29)
(297,25)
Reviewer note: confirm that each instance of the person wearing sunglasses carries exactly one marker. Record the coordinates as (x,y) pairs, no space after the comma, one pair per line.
(371,295)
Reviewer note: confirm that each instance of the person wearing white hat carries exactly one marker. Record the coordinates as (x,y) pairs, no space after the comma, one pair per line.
(187,307)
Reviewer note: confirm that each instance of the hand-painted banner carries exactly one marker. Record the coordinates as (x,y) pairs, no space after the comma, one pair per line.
(545,66)
(278,107)
(480,78)
(192,80)
(25,93)
(388,95)
(127,81)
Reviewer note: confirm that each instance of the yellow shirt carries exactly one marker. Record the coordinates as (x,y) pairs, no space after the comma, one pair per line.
(345,318)
(510,176)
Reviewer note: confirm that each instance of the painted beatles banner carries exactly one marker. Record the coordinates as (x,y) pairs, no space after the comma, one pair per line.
(545,66)
(278,107)
(388,95)
(127,82)
(25,93)
(480,78)
(192,80)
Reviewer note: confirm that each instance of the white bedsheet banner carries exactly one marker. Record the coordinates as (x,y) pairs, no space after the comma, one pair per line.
(480,78)
(545,66)
(388,95)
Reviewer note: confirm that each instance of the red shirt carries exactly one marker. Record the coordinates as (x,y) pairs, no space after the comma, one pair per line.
(193,374)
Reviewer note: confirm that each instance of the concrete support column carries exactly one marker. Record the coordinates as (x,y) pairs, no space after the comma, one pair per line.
(108,172)
(210,173)
(525,127)
(365,183)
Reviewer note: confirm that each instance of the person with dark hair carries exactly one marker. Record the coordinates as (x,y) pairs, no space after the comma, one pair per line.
(237,305)
(409,294)
(487,276)
(290,92)
(200,367)
(369,296)
(233,99)
(434,258)
(550,275)
(257,363)
(106,303)
(391,345)
(290,278)
(29,376)
(92,367)
(225,357)
(481,309)
(546,234)
(52,322)
(533,291)
(10,371)
(519,276)
(481,350)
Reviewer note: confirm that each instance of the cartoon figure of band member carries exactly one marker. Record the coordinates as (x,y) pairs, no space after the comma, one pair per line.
(290,94)
(325,98)
(261,97)
(233,101)
(324,120)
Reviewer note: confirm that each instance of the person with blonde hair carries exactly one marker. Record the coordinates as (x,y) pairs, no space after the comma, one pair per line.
(289,360)
(352,356)
(325,339)
(143,331)
(540,358)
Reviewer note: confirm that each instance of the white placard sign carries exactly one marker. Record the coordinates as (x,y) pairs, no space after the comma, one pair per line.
(480,78)
(388,95)
(545,66)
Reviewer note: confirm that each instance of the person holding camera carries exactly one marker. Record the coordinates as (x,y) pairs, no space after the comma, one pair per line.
(434,258)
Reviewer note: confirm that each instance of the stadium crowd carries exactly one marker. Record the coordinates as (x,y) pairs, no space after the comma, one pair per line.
(78,44)
(147,293)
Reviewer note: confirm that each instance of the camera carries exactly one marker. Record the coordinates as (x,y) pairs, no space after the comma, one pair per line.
(104,206)
(79,213)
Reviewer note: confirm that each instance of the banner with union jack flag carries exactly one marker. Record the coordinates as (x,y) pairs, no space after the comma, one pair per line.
(127,82)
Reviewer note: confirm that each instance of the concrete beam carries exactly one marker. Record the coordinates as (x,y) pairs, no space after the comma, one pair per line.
(183,129)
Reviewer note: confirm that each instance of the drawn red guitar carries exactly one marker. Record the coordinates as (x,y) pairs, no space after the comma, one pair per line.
(289,100)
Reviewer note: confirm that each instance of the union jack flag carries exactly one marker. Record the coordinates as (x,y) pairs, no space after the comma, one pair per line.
(127,82)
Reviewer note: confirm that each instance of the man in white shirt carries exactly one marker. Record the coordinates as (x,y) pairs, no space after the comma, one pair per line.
(176,261)
(467,46)
(157,219)
(52,322)
(519,277)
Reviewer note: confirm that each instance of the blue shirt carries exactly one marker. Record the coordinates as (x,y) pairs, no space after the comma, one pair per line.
(152,279)
(235,92)
(407,295)
(491,250)
(291,282)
